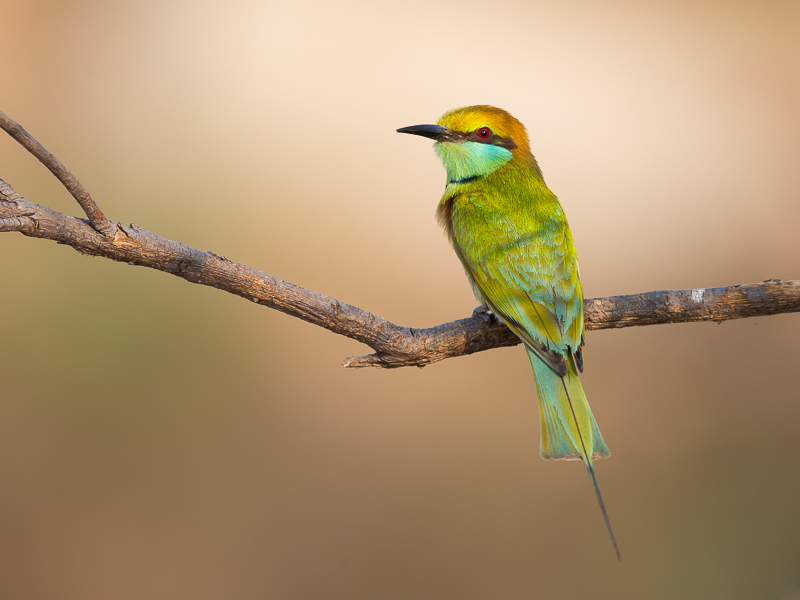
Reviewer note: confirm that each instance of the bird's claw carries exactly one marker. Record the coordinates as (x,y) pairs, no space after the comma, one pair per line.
(485,314)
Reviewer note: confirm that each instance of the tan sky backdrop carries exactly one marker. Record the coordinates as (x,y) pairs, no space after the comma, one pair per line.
(162,440)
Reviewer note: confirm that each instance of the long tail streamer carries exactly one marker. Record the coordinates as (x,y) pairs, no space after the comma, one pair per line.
(589,467)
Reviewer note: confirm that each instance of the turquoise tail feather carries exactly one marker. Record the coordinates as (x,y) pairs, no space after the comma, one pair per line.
(569,430)
(565,435)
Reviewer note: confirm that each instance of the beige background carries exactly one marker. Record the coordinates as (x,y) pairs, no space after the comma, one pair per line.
(164,440)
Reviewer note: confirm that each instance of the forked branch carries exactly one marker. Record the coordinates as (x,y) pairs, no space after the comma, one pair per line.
(74,187)
(394,346)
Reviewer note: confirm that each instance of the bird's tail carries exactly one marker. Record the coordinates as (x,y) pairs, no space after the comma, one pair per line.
(569,431)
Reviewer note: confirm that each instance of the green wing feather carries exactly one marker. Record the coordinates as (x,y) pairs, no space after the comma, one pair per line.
(522,264)
(518,252)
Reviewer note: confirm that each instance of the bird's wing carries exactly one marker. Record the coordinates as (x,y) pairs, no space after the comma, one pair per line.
(532,282)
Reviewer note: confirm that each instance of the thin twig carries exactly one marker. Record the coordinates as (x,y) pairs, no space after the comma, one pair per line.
(80,193)
(394,346)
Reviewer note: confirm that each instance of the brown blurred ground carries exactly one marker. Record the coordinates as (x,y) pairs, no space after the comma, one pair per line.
(163,440)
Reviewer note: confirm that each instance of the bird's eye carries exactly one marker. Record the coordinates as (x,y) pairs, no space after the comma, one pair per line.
(484,132)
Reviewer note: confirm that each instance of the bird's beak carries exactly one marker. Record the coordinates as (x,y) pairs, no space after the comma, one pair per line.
(435,132)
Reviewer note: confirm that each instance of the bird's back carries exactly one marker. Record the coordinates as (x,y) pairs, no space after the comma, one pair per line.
(510,232)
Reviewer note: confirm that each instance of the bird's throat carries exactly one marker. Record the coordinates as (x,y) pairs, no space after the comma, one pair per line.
(467,161)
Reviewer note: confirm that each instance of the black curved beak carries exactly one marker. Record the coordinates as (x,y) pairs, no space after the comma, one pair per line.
(435,132)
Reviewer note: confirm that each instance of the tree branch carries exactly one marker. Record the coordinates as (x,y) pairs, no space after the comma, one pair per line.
(394,346)
(80,193)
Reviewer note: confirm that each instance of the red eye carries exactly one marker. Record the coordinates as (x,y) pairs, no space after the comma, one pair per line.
(484,132)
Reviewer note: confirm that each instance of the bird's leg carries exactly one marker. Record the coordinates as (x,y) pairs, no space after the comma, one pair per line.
(484,313)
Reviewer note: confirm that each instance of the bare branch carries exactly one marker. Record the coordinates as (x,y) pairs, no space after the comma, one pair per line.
(136,246)
(418,347)
(89,206)
(17,224)
(718,304)
(394,346)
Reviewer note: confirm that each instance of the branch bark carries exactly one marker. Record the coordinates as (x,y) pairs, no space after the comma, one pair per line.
(74,187)
(394,346)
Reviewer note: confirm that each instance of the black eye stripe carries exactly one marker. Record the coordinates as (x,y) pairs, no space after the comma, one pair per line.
(506,143)
(492,138)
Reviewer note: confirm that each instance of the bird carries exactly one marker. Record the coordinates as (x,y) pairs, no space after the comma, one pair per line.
(511,235)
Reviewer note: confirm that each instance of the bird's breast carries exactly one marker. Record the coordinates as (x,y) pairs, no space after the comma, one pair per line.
(488,229)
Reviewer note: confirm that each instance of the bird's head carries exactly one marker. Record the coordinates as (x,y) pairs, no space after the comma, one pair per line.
(475,141)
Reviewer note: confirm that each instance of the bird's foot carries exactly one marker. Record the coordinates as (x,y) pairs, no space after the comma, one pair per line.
(485,314)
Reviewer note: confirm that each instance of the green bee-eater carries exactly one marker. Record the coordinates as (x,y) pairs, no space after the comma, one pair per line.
(510,232)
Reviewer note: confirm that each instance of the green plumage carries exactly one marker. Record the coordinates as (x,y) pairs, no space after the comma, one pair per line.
(511,234)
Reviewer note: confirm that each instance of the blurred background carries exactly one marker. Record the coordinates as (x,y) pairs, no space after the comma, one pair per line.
(166,440)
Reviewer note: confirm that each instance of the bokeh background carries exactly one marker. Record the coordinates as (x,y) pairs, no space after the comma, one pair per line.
(165,440)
